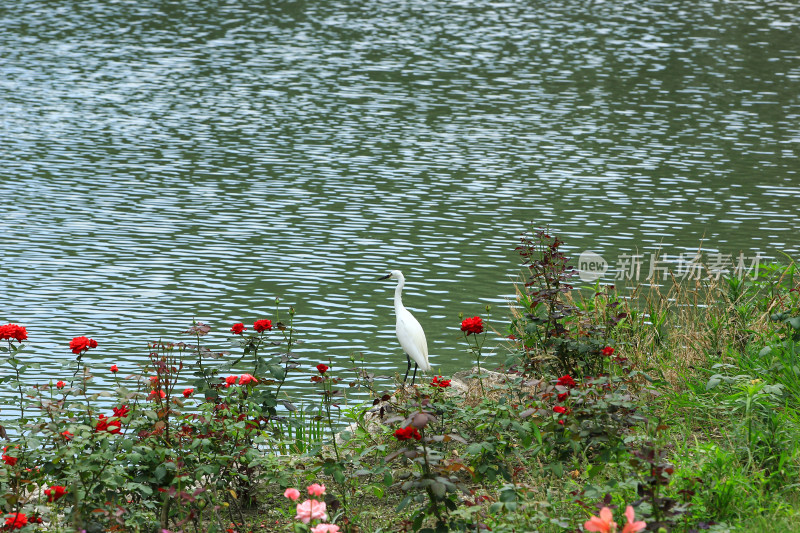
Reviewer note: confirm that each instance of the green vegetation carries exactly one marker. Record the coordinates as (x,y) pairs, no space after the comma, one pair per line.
(682,404)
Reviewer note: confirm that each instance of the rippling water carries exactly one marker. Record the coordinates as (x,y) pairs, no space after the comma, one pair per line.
(169,160)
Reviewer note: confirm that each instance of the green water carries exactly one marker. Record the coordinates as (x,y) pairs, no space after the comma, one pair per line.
(169,160)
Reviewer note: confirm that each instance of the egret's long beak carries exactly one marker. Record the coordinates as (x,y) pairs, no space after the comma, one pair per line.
(387,276)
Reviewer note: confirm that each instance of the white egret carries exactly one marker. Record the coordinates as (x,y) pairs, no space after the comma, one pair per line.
(409,331)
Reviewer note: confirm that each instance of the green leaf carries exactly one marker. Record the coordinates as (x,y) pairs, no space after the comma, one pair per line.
(438,489)
(794,322)
(338,476)
(713,381)
(277,372)
(403,503)
(474,448)
(596,469)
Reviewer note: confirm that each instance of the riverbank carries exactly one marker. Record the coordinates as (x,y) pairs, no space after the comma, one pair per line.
(680,403)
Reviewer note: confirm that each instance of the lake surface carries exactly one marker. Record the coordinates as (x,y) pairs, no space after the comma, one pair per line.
(163,161)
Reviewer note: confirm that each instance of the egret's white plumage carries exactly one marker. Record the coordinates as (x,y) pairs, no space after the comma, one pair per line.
(408,329)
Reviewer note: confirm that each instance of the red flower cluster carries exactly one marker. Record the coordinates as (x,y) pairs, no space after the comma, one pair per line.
(472,325)
(55,492)
(156,394)
(438,382)
(406,433)
(13,331)
(16,521)
(81,344)
(108,424)
(262,325)
(112,425)
(322,368)
(607,351)
(7,459)
(238,328)
(567,381)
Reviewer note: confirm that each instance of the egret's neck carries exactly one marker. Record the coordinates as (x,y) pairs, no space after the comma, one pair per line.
(398,295)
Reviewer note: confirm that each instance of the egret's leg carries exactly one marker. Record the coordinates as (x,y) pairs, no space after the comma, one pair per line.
(408,368)
(415,374)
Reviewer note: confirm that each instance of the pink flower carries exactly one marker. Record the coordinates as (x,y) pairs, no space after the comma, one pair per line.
(316,489)
(247,378)
(325,528)
(311,510)
(631,526)
(604,524)
(292,494)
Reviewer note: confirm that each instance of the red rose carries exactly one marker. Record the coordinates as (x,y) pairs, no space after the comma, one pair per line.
(244,379)
(67,435)
(438,382)
(230,380)
(155,394)
(472,325)
(559,409)
(9,460)
(406,433)
(114,368)
(187,392)
(607,351)
(13,331)
(16,521)
(81,344)
(108,424)
(567,381)
(563,396)
(60,384)
(55,492)
(262,325)
(322,368)
(238,328)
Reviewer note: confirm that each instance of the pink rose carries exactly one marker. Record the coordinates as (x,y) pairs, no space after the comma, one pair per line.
(316,489)
(325,528)
(311,510)
(292,494)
